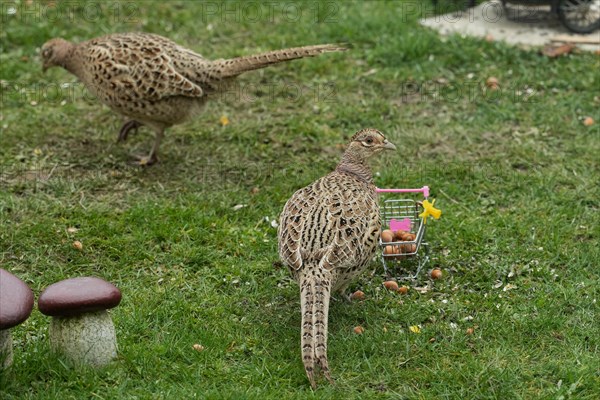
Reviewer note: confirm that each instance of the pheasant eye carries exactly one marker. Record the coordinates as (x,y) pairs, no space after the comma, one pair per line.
(369,141)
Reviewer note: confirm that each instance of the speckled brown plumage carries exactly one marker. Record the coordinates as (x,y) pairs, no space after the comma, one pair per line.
(328,234)
(152,80)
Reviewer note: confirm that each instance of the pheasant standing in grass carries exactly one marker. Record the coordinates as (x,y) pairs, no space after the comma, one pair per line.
(328,233)
(154,81)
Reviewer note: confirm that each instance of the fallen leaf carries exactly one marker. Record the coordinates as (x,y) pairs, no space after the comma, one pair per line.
(415,329)
(370,72)
(422,289)
(509,286)
(72,229)
(553,51)
(198,347)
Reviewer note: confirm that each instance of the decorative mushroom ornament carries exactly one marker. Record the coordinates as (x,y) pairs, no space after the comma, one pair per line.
(16,303)
(81,329)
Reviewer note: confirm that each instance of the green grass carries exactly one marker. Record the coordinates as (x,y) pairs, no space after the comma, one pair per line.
(517,179)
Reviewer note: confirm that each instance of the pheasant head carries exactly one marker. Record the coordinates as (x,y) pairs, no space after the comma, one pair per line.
(364,144)
(56,53)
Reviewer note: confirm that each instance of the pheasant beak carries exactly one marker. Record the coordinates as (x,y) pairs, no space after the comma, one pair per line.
(387,145)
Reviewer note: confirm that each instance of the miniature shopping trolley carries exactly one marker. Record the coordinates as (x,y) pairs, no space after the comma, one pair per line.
(404,248)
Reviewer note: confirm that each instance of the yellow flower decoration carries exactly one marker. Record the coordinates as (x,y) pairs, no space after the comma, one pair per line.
(429,209)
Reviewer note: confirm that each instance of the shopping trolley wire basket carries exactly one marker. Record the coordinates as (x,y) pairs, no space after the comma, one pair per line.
(404,250)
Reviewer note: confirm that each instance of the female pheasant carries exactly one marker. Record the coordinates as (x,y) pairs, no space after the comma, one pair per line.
(152,80)
(328,233)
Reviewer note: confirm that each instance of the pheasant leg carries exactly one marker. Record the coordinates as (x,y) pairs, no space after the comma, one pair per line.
(127,126)
(152,158)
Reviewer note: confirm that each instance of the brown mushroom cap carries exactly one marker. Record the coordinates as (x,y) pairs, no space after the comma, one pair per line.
(77,296)
(16,300)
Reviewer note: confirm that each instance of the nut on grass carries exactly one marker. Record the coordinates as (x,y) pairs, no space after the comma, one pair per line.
(492,82)
(198,347)
(78,245)
(391,285)
(436,274)
(358,295)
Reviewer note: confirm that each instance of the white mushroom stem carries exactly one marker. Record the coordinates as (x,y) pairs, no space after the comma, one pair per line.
(6,353)
(86,339)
